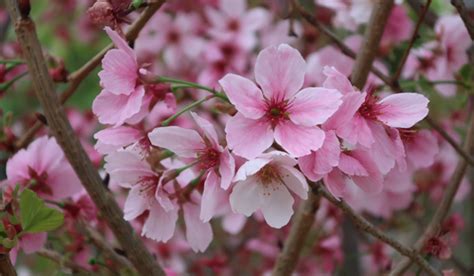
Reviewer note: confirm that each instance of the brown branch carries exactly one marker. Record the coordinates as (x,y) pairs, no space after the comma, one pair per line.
(76,78)
(64,262)
(304,219)
(6,267)
(364,225)
(348,52)
(370,45)
(414,37)
(466,15)
(430,18)
(64,134)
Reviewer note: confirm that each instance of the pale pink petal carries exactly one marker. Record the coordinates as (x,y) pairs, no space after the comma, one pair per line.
(336,183)
(63,182)
(233,8)
(337,80)
(119,41)
(327,156)
(422,149)
(116,109)
(373,183)
(295,181)
(111,139)
(119,74)
(250,168)
(245,95)
(351,166)
(280,71)
(226,169)
(280,158)
(183,142)
(298,140)
(233,223)
(248,138)
(246,196)
(31,243)
(356,131)
(210,197)
(346,111)
(127,168)
(313,106)
(403,110)
(255,19)
(306,165)
(207,128)
(277,205)
(198,233)
(385,150)
(160,225)
(135,204)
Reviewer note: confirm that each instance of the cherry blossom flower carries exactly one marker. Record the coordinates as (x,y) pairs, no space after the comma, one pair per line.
(121,99)
(202,146)
(279,110)
(44,169)
(264,183)
(28,243)
(112,139)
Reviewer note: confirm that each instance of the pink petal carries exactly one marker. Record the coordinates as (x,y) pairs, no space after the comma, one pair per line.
(255,19)
(403,110)
(346,111)
(246,196)
(56,181)
(336,183)
(233,8)
(250,168)
(351,166)
(120,72)
(116,109)
(135,204)
(356,131)
(198,233)
(280,71)
(207,129)
(422,149)
(298,140)
(277,206)
(245,95)
(119,41)
(226,169)
(337,80)
(31,243)
(248,138)
(160,225)
(313,106)
(373,183)
(183,142)
(127,168)
(295,181)
(111,139)
(210,197)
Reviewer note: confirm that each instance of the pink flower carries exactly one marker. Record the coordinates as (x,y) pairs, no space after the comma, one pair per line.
(29,243)
(43,166)
(132,171)
(232,18)
(263,184)
(121,99)
(112,139)
(202,146)
(279,110)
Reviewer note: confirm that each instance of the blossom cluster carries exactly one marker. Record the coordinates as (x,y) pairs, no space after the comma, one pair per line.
(215,115)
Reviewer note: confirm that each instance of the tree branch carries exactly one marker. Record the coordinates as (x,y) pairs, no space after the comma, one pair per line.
(466,15)
(6,267)
(370,45)
(430,18)
(76,78)
(414,36)
(64,134)
(367,227)
(60,260)
(300,228)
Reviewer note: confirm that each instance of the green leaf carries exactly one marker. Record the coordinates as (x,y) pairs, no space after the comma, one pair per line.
(137,3)
(36,216)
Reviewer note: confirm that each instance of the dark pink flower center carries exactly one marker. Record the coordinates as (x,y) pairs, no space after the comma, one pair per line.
(173,37)
(276,111)
(268,174)
(39,182)
(233,25)
(148,186)
(370,109)
(208,158)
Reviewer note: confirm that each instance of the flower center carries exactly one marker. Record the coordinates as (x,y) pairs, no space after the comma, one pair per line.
(407,135)
(233,25)
(148,186)
(173,37)
(268,174)
(208,158)
(39,182)
(370,108)
(277,112)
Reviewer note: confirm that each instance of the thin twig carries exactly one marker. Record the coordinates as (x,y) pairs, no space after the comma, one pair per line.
(370,45)
(367,227)
(43,85)
(76,78)
(295,242)
(64,262)
(414,37)
(430,18)
(466,15)
(6,267)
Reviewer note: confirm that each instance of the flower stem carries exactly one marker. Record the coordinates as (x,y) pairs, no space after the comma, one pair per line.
(186,109)
(185,84)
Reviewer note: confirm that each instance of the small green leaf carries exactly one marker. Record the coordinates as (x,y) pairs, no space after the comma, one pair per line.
(137,3)
(36,216)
